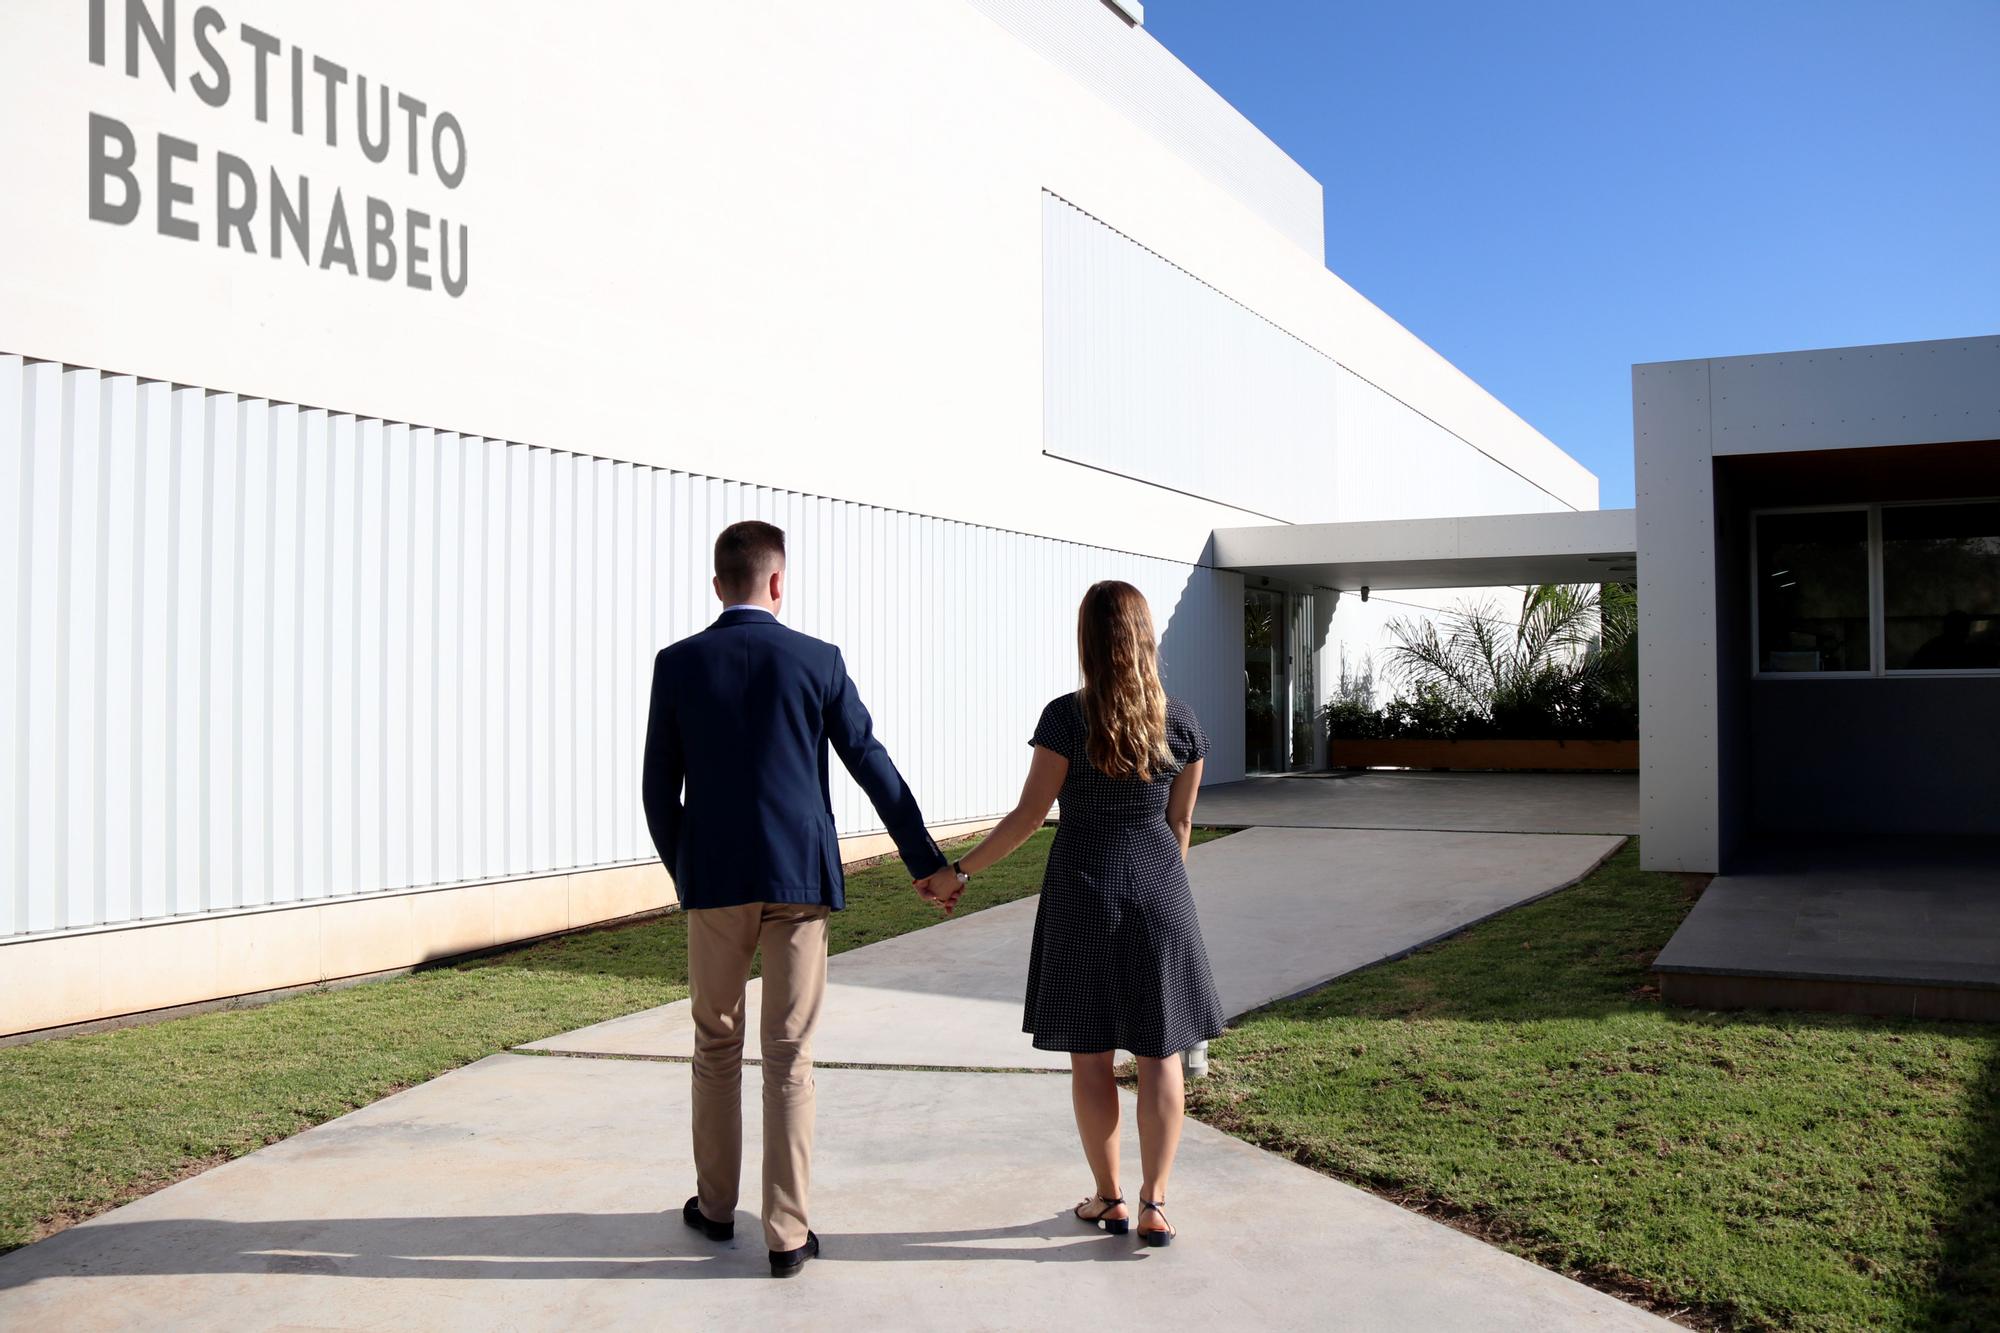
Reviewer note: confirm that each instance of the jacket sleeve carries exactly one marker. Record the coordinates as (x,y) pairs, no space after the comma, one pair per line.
(852,734)
(664,769)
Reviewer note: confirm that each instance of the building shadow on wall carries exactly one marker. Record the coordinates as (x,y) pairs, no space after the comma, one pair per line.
(1201,658)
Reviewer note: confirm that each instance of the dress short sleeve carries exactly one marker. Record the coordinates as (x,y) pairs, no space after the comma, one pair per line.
(1190,741)
(1057,729)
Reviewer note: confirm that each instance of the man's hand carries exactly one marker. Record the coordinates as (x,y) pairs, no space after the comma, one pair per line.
(941,886)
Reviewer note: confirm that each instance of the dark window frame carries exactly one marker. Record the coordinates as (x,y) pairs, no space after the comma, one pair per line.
(1878,669)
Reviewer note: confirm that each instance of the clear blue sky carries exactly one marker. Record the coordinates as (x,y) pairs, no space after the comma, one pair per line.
(1547,193)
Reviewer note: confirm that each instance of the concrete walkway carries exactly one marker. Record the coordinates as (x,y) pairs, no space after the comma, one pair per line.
(544,1193)
(541,1191)
(1282,910)
(1475,802)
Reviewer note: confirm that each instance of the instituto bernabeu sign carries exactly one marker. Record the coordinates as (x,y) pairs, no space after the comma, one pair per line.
(163,184)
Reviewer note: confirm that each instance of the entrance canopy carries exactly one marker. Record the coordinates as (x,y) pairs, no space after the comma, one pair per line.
(1587,546)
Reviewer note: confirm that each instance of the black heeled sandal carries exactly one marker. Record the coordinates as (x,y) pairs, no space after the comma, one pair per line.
(1156,1239)
(1117,1226)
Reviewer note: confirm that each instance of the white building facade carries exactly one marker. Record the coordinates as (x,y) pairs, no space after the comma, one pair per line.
(374,379)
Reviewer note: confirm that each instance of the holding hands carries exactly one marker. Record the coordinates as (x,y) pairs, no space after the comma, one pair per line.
(1045,778)
(942,886)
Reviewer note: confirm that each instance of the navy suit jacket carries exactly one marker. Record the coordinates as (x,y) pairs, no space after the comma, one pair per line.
(742,716)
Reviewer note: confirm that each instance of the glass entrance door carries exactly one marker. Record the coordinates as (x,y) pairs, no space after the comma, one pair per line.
(1266,697)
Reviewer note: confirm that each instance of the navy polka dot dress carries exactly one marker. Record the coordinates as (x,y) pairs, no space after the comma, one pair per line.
(1118,962)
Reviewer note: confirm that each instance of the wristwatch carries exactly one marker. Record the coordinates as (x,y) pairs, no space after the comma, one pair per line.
(959,870)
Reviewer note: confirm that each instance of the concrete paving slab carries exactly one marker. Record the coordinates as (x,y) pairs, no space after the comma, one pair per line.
(1474,802)
(1913,911)
(537,1192)
(1282,910)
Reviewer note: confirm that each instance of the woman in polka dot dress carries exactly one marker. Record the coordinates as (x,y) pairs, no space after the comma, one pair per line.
(1118,961)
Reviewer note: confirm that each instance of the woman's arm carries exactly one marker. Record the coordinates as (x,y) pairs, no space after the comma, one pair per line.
(1045,779)
(1180,804)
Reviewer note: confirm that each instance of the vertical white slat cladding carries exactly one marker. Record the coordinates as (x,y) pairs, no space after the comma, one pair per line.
(221,517)
(495,665)
(562,661)
(263,654)
(603,668)
(152,778)
(77,703)
(421,684)
(16,504)
(516,559)
(250,720)
(284,594)
(542,761)
(42,769)
(627,717)
(398,535)
(450,673)
(1151,373)
(118,613)
(474,661)
(186,620)
(344,676)
(315,681)
(371,669)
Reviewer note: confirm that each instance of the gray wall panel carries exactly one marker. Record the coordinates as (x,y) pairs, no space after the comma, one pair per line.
(264,654)
(1907,756)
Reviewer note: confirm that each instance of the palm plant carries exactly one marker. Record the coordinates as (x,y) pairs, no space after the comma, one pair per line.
(1567,666)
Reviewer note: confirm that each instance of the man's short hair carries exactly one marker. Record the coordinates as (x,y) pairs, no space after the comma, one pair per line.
(746,554)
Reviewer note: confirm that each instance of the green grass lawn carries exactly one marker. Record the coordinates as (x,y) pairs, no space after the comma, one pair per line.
(89,1122)
(1522,1080)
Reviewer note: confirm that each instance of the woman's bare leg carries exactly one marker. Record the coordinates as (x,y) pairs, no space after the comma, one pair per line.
(1094,1092)
(1161,1102)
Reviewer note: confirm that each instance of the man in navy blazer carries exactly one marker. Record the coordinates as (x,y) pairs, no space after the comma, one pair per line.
(736,797)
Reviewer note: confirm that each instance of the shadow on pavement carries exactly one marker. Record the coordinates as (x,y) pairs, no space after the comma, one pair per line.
(1966,1294)
(517,1247)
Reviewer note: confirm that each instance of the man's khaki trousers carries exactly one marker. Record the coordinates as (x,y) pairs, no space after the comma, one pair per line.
(721,941)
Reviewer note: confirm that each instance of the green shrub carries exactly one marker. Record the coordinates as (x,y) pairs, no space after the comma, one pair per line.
(1567,670)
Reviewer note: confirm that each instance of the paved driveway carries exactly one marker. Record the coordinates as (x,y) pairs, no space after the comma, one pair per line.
(1470,802)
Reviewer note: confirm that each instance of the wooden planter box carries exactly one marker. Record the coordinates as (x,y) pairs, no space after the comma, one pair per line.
(1573,756)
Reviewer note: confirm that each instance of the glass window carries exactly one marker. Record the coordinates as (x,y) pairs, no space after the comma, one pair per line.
(1812,591)
(1941,587)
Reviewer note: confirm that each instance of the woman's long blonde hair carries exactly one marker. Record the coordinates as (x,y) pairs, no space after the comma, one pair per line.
(1124,706)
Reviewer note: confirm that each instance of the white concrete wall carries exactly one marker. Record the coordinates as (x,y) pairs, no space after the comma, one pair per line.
(1147,85)
(766,258)
(794,245)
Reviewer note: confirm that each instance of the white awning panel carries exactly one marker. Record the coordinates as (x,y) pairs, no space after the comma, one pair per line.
(1588,546)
